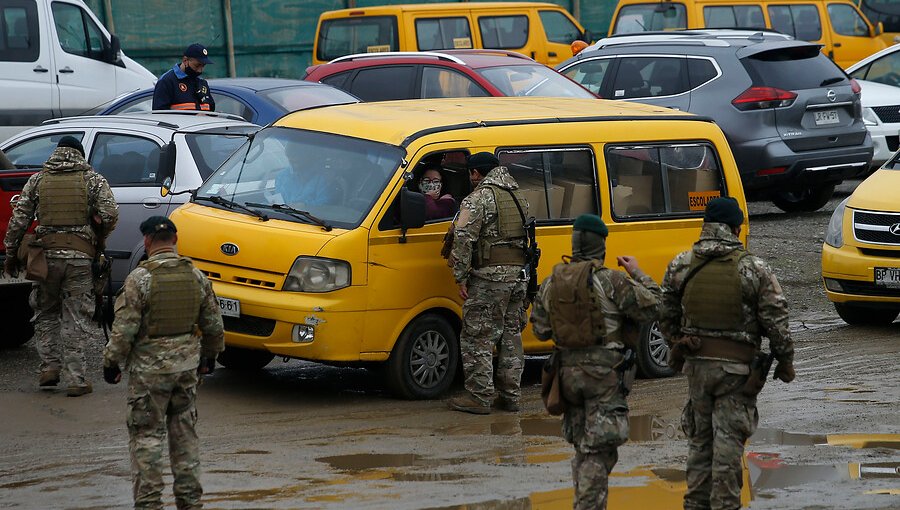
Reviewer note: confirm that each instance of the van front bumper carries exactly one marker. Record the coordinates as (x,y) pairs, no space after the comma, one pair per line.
(848,274)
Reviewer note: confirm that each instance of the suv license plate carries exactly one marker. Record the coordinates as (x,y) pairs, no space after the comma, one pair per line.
(887,277)
(827,117)
(229,307)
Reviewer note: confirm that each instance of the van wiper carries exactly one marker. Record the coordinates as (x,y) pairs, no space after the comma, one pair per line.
(829,81)
(296,213)
(231,205)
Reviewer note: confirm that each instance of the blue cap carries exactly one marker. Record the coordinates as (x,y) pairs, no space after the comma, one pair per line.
(199,52)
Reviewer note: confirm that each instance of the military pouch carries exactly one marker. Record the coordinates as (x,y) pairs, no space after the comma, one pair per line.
(607,425)
(551,392)
(31,256)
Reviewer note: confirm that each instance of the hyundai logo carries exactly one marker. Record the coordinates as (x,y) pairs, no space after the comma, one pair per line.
(229,249)
(894,229)
(831,95)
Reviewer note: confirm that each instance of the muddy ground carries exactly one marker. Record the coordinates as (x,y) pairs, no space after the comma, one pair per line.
(299,435)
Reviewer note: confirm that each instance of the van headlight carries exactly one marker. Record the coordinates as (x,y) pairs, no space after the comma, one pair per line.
(869,117)
(316,274)
(834,236)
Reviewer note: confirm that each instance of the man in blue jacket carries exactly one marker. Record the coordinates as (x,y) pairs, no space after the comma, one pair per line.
(182,88)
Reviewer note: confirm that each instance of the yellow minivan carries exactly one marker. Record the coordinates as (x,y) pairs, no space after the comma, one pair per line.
(543,31)
(838,25)
(315,237)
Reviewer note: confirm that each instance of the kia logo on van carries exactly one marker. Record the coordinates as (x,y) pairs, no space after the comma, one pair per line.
(229,249)
(895,229)
(831,95)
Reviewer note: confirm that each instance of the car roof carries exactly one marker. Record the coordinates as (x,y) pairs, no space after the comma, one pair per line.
(474,58)
(713,38)
(258,84)
(181,121)
(393,122)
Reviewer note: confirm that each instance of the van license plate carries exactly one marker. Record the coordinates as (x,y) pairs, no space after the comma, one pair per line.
(887,277)
(229,307)
(827,117)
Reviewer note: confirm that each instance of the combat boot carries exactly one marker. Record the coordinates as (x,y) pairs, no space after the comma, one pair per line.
(468,404)
(505,404)
(49,377)
(77,391)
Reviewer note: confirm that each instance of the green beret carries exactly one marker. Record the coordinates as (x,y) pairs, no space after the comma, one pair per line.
(483,161)
(591,223)
(155,224)
(724,210)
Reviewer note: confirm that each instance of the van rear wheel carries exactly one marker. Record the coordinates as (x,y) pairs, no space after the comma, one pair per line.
(807,199)
(244,359)
(652,352)
(424,360)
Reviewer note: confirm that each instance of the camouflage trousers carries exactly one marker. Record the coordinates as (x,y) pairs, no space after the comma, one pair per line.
(718,419)
(493,317)
(63,305)
(158,403)
(596,423)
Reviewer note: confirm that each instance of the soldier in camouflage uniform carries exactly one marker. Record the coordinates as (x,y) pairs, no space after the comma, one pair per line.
(487,258)
(167,330)
(718,301)
(587,323)
(76,211)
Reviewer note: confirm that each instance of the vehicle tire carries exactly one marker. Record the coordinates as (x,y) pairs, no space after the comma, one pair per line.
(811,198)
(859,315)
(424,360)
(18,328)
(238,358)
(652,353)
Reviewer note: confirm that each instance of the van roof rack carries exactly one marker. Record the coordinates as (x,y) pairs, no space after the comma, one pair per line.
(702,36)
(410,54)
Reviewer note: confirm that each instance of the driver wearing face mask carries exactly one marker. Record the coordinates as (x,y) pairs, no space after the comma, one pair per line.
(182,88)
(436,205)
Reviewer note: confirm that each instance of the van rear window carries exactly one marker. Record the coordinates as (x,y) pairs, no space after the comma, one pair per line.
(347,36)
(793,69)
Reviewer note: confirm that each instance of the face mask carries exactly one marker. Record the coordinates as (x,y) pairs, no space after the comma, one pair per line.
(429,186)
(188,70)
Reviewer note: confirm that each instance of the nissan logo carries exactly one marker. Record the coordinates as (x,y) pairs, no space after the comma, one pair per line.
(831,95)
(894,229)
(229,249)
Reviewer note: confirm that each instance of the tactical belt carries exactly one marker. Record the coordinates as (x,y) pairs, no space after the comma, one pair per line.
(503,256)
(592,355)
(66,241)
(714,347)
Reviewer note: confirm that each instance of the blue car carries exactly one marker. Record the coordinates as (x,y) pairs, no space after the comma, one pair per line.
(257,100)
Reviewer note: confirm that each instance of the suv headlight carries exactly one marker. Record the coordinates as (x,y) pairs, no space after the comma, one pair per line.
(316,274)
(869,117)
(834,236)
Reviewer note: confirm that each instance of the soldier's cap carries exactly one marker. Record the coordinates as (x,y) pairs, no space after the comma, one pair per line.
(484,162)
(199,52)
(72,143)
(591,223)
(156,224)
(724,210)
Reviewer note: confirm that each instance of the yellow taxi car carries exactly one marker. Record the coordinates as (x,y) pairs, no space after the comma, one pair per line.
(861,253)
(315,237)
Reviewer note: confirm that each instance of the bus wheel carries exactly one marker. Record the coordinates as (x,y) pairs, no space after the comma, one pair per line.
(424,360)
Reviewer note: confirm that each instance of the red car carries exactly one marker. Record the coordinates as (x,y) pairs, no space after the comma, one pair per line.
(448,73)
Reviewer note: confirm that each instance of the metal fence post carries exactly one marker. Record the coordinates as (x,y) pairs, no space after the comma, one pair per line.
(229,38)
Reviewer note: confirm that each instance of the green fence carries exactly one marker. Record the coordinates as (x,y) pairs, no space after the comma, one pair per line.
(265,37)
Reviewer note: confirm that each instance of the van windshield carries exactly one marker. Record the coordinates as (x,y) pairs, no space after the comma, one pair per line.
(283,172)
(533,80)
(347,36)
(650,17)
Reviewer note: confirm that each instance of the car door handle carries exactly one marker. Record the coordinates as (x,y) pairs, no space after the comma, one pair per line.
(150,203)
(41,69)
(67,70)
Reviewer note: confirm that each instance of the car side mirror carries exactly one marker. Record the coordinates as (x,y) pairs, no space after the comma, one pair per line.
(112,51)
(412,211)
(166,170)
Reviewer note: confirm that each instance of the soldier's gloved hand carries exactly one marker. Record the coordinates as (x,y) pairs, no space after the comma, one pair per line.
(207,366)
(676,357)
(784,371)
(11,266)
(112,374)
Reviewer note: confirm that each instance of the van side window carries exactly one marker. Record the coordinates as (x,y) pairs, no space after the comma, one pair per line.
(32,153)
(589,74)
(77,32)
(367,34)
(650,17)
(383,83)
(440,82)
(503,32)
(734,16)
(650,77)
(653,180)
(847,21)
(20,40)
(558,27)
(443,34)
(800,21)
(558,183)
(125,160)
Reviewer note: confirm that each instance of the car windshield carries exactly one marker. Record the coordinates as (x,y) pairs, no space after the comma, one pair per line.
(291,99)
(893,163)
(290,174)
(532,80)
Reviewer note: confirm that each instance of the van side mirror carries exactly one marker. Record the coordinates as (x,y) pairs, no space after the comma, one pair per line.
(587,36)
(412,211)
(166,171)
(112,51)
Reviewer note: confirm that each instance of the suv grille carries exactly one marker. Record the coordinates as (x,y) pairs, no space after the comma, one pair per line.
(875,227)
(888,114)
(249,325)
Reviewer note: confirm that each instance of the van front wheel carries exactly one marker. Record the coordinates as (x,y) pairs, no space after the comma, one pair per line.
(652,352)
(424,360)
(244,359)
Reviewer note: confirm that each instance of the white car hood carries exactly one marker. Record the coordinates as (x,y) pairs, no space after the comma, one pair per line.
(878,94)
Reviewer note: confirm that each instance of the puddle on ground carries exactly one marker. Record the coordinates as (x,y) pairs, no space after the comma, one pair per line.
(766,436)
(251,452)
(641,427)
(363,461)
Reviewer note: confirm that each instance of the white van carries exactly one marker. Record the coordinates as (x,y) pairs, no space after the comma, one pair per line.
(57,60)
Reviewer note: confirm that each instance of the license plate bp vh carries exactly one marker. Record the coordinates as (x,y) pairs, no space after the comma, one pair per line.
(229,307)
(887,277)
(826,117)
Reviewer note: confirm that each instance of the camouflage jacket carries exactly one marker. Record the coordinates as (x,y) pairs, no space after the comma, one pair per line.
(478,218)
(764,304)
(100,201)
(637,299)
(129,346)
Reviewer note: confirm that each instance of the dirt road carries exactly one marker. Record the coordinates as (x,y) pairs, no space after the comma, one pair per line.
(299,435)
